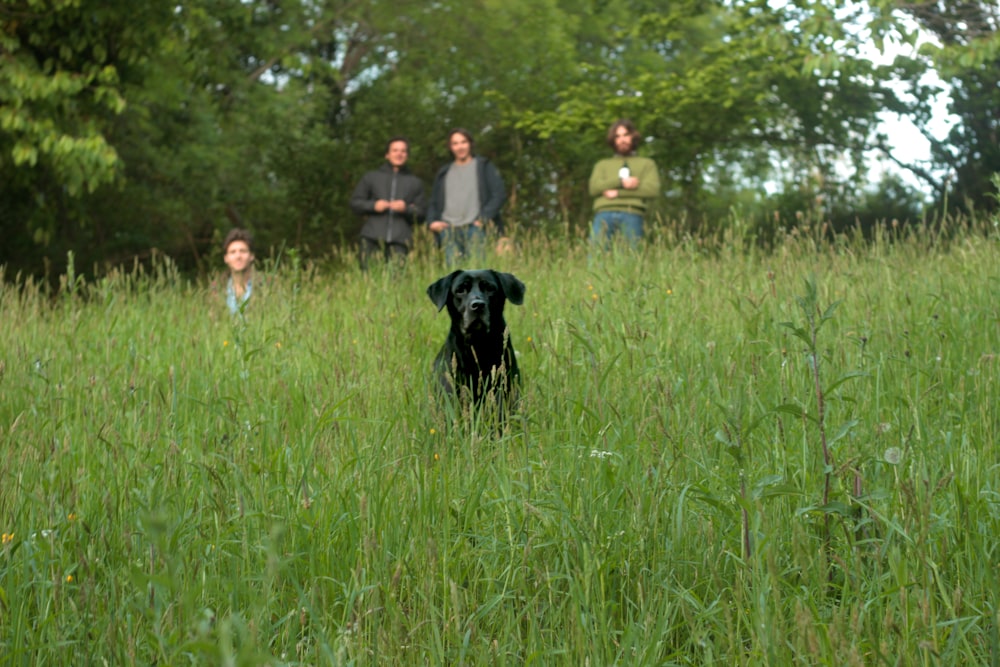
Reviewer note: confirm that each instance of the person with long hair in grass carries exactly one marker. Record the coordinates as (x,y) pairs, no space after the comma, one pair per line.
(237,253)
(466,199)
(622,186)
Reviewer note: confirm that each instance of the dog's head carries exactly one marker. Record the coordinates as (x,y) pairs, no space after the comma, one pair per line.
(475,299)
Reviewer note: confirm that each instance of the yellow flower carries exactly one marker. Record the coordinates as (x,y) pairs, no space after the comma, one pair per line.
(7,538)
(529,339)
(69,578)
(594,297)
(71,516)
(433,431)
(669,292)
(278,345)
(225,343)
(436,457)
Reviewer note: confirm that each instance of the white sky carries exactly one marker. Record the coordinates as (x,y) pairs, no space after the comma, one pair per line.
(909,143)
(910,146)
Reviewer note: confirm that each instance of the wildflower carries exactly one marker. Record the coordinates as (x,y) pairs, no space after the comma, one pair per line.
(598,454)
(433,431)
(529,339)
(669,291)
(71,516)
(225,343)
(69,578)
(6,538)
(278,345)
(594,296)
(436,457)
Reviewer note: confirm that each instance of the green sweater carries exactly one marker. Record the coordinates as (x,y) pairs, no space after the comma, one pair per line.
(605,177)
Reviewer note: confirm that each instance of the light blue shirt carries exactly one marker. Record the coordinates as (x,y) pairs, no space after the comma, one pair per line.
(236,306)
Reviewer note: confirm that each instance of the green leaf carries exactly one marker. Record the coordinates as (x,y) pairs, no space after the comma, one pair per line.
(842,431)
(828,313)
(844,378)
(773,486)
(799,333)
(25,153)
(836,507)
(794,410)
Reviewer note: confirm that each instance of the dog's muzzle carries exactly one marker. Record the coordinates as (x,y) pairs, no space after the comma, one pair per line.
(476,316)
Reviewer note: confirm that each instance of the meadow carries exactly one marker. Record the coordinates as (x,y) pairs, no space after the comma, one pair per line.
(724,456)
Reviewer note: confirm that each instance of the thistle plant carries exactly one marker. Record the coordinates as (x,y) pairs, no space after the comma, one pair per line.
(809,334)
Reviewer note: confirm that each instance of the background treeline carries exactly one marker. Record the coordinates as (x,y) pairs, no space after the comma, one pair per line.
(128,125)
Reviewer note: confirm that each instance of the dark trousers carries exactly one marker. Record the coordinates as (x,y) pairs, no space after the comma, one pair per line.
(391,252)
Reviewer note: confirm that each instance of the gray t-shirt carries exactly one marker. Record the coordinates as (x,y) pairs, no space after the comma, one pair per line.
(461,194)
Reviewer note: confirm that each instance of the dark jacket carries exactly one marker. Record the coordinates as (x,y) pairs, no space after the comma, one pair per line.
(492,194)
(385,183)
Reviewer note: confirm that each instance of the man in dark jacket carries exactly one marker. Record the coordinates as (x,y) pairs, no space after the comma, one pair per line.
(466,197)
(392,199)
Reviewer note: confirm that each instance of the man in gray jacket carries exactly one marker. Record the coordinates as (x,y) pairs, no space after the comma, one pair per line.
(392,200)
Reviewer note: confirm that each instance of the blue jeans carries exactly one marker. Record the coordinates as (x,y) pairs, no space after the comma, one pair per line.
(608,224)
(463,241)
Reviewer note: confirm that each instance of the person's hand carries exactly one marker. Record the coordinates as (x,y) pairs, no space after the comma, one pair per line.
(610,194)
(630,182)
(439,226)
(478,223)
(381,205)
(398,205)
(505,246)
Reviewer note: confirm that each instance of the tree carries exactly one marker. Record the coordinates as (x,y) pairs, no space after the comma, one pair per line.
(964,50)
(126,126)
(730,93)
(63,68)
(60,75)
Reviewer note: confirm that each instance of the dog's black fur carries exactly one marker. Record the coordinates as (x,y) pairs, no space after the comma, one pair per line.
(477,360)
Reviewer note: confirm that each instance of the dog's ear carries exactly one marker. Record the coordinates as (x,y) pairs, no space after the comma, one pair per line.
(513,288)
(438,292)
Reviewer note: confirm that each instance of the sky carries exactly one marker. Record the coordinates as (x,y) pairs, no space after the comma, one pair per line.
(908,142)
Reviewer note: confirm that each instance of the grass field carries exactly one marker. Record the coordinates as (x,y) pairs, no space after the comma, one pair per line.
(724,457)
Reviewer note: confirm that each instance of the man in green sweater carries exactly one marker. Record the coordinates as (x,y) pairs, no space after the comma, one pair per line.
(621,187)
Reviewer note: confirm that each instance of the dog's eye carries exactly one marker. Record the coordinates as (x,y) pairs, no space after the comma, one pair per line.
(462,288)
(489,288)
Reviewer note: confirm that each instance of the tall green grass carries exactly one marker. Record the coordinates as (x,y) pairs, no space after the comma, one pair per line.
(177,487)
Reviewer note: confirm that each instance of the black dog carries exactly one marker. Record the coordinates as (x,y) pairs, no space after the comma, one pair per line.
(477,361)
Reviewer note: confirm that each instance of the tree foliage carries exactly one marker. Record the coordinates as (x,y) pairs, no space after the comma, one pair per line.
(139,124)
(964,50)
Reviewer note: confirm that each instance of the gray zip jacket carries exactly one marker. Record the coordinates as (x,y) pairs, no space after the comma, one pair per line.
(385,183)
